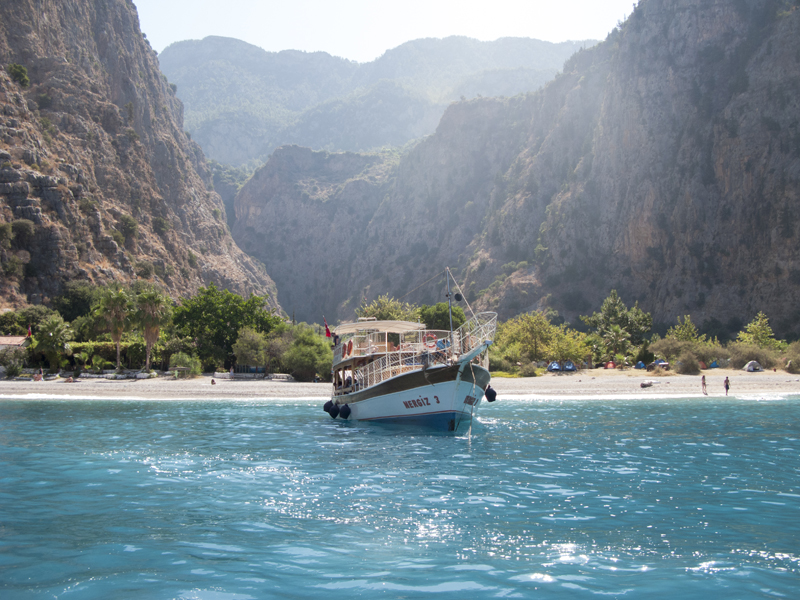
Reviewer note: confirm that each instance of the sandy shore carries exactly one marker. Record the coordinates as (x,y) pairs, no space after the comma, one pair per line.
(595,383)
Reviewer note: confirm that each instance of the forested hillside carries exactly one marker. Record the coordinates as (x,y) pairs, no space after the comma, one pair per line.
(243,102)
(664,163)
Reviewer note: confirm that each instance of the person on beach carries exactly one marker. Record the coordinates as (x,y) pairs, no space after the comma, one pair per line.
(703,385)
(727,385)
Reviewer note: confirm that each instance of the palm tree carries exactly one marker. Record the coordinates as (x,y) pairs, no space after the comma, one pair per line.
(153,311)
(114,308)
(52,339)
(616,340)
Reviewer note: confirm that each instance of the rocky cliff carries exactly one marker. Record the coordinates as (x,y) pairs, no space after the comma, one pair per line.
(98,181)
(664,162)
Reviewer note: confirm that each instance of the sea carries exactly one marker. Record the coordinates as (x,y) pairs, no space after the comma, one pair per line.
(270,498)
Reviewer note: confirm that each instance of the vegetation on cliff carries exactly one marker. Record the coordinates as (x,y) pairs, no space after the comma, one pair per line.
(98,181)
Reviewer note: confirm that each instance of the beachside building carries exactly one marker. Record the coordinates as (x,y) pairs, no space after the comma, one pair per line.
(14,341)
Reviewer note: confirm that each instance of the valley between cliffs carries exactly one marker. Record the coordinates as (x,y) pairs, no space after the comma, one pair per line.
(663,162)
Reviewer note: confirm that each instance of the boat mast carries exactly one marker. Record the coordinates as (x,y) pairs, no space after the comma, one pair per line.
(450,308)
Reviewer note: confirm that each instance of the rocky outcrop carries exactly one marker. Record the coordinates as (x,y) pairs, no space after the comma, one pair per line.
(94,157)
(664,162)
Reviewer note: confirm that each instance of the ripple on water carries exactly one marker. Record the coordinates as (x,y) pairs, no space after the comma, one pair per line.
(247,499)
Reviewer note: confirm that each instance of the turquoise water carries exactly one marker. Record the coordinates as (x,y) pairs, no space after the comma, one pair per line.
(261,499)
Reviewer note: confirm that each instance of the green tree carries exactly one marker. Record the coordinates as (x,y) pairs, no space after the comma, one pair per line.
(568,344)
(114,308)
(616,340)
(153,310)
(686,331)
(213,319)
(438,316)
(278,343)
(385,308)
(309,354)
(250,347)
(530,333)
(76,299)
(17,322)
(183,360)
(52,340)
(614,312)
(759,332)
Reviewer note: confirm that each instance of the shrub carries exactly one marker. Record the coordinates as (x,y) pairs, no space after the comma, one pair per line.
(12,359)
(500,364)
(161,225)
(128,227)
(99,363)
(528,370)
(742,353)
(145,269)
(658,372)
(6,235)
(687,364)
(118,238)
(13,268)
(792,358)
(19,74)
(181,359)
(23,230)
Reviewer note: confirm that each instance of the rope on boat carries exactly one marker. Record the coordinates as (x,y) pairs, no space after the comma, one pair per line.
(471,406)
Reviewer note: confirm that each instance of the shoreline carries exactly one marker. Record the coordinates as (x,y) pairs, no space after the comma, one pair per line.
(592,383)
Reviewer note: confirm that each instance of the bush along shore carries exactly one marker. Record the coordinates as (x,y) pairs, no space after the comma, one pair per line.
(94,329)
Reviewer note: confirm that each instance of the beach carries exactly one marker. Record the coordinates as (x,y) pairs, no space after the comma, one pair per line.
(594,383)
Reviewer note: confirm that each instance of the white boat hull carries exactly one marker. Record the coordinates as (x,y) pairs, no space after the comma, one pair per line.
(443,399)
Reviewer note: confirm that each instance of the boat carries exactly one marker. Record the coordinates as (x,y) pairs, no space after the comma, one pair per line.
(401,373)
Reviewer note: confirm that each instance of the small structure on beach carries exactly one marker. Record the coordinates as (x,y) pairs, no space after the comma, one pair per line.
(14,341)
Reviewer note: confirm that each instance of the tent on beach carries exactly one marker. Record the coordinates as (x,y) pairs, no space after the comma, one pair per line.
(570,366)
(639,365)
(553,366)
(752,366)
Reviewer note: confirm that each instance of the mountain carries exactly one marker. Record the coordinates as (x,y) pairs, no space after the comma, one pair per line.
(663,162)
(98,181)
(243,102)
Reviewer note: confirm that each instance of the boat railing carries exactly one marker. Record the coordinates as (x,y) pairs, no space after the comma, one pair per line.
(477,331)
(427,348)
(368,344)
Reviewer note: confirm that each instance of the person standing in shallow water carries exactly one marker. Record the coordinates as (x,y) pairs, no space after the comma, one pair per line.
(727,385)
(703,385)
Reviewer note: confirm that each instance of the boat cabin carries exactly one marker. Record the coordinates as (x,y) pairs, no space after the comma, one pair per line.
(386,348)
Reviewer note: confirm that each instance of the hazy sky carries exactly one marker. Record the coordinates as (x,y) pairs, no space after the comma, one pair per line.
(362,30)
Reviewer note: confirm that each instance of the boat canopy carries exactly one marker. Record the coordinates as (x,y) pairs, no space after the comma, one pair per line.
(383,326)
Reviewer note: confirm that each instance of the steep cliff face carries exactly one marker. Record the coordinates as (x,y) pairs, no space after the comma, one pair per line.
(664,162)
(338,228)
(93,154)
(684,194)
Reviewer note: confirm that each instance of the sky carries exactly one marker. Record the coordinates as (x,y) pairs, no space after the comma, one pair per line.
(362,30)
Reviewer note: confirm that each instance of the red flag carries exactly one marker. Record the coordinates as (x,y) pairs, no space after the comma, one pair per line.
(327,331)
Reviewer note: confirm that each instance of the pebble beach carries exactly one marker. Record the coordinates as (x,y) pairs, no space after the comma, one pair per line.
(595,383)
